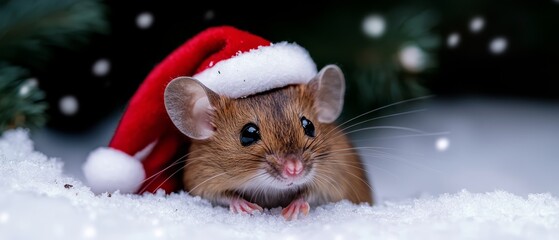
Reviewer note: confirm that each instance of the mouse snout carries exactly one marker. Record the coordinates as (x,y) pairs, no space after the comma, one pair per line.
(292,167)
(289,168)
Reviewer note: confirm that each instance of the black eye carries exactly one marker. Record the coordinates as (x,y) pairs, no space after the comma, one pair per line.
(249,134)
(307,126)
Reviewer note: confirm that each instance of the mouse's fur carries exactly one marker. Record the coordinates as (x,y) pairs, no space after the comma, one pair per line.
(220,168)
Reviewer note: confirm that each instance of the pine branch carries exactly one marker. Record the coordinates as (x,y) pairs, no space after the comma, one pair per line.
(380,78)
(21,102)
(29,29)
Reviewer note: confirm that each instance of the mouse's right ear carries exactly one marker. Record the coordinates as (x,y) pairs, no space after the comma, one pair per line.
(329,86)
(188,104)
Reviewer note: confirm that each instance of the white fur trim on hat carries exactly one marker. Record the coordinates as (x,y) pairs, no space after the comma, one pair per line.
(259,70)
(108,170)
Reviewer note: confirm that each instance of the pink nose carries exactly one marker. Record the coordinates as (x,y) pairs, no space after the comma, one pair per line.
(292,167)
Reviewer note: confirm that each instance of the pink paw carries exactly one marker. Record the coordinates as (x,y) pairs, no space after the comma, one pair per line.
(298,205)
(239,205)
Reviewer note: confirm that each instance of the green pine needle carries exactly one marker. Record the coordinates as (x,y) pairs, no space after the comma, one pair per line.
(21,101)
(29,29)
(30,33)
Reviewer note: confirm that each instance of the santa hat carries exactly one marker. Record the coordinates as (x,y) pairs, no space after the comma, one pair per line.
(231,62)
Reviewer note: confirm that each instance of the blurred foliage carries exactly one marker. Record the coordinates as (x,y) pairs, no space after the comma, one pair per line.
(31,29)
(30,33)
(21,102)
(376,74)
(379,76)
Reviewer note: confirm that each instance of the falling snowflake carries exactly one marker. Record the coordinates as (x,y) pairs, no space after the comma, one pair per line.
(412,58)
(498,45)
(442,144)
(477,24)
(68,105)
(453,40)
(374,25)
(144,20)
(101,67)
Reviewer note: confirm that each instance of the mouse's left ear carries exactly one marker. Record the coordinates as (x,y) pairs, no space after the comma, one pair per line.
(329,86)
(187,102)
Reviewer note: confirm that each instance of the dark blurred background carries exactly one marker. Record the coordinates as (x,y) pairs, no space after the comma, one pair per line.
(389,50)
(68,67)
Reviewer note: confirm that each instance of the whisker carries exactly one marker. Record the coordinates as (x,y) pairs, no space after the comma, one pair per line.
(205,181)
(324,179)
(387,127)
(360,179)
(384,116)
(402,136)
(259,158)
(261,188)
(388,157)
(267,148)
(386,106)
(170,176)
(334,132)
(155,175)
(339,130)
(244,188)
(176,171)
(377,149)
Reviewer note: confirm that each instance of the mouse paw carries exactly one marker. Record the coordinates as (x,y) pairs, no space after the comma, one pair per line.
(292,211)
(239,205)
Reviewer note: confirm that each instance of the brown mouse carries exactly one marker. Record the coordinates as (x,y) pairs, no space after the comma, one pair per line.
(280,148)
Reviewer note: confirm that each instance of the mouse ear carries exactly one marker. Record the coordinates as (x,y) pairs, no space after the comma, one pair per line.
(329,85)
(188,104)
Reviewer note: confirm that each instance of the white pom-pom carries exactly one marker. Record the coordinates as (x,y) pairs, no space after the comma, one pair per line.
(108,170)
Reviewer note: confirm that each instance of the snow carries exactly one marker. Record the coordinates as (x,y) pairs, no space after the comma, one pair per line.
(453,40)
(144,20)
(68,105)
(412,58)
(374,25)
(39,201)
(101,67)
(442,144)
(498,45)
(476,24)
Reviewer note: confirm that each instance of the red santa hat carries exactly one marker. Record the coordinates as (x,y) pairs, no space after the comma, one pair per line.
(227,60)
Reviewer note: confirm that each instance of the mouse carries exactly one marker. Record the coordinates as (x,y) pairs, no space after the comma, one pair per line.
(278,148)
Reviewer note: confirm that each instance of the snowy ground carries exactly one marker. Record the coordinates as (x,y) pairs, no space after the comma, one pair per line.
(418,187)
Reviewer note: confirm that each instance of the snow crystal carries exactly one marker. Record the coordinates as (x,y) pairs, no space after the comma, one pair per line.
(101,67)
(442,144)
(144,20)
(68,105)
(477,24)
(453,40)
(498,45)
(412,58)
(374,25)
(37,201)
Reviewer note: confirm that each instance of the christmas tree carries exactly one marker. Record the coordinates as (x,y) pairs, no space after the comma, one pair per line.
(30,33)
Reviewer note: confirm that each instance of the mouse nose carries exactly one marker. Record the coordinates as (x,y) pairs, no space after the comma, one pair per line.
(292,167)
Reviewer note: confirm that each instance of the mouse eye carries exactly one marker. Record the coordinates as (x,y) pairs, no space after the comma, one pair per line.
(308,127)
(249,134)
